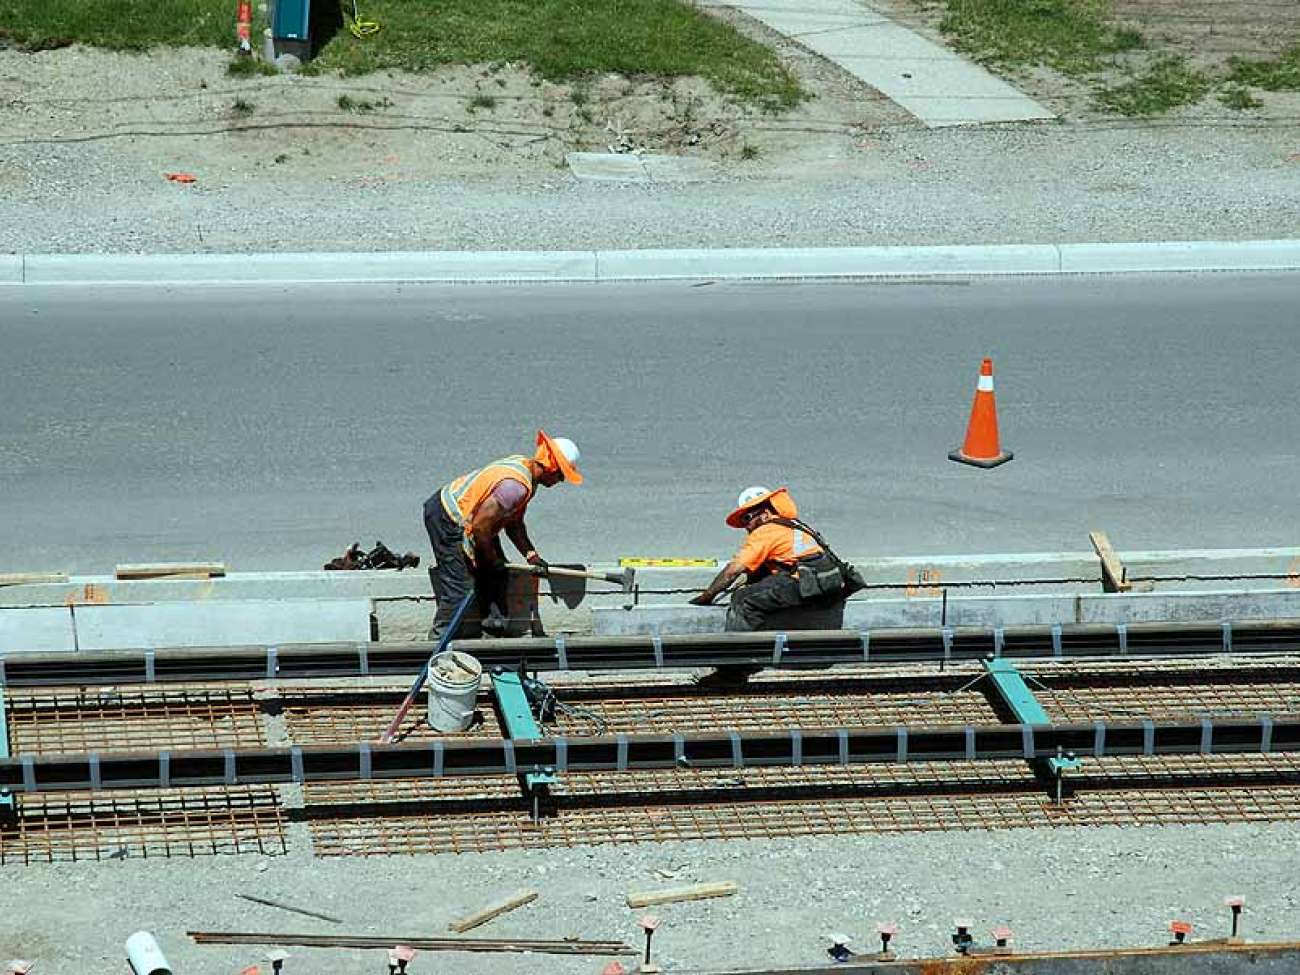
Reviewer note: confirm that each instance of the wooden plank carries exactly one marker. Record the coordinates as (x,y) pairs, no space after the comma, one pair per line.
(697,892)
(31,578)
(506,904)
(171,570)
(1114,577)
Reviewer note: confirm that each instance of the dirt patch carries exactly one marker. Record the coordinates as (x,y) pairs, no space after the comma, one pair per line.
(179,110)
(1207,33)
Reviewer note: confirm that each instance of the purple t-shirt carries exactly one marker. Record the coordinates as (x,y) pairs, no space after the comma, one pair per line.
(511,495)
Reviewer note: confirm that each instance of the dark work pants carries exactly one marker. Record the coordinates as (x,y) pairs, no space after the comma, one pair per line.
(453,575)
(752,605)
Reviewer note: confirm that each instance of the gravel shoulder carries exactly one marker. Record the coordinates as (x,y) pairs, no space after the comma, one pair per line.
(85,144)
(1064,888)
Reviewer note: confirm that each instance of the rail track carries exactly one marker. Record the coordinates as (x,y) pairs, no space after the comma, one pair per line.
(1195,738)
(935,645)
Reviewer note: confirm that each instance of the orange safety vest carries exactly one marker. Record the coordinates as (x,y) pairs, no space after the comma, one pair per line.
(776,548)
(463,496)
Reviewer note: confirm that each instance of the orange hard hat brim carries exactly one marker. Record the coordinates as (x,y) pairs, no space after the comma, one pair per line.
(781,501)
(553,459)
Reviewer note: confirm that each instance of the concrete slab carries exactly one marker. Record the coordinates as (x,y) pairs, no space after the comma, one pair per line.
(927,79)
(295,268)
(1247,255)
(679,169)
(36,629)
(1189,607)
(11,268)
(629,168)
(1027,610)
(218,624)
(793,262)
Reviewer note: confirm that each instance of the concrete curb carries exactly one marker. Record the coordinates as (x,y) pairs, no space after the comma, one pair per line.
(648,265)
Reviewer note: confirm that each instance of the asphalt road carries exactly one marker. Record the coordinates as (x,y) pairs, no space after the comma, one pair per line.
(270,427)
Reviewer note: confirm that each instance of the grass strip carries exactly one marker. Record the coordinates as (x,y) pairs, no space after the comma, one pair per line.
(119,25)
(1168,82)
(1071,36)
(1280,74)
(561,39)
(565,40)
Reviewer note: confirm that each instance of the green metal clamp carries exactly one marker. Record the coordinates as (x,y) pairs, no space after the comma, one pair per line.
(516,715)
(1016,695)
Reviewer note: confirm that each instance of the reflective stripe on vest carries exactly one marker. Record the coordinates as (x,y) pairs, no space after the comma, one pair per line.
(468,489)
(801,547)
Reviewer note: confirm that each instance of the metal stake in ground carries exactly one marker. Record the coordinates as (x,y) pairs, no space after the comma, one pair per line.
(447,634)
(649,924)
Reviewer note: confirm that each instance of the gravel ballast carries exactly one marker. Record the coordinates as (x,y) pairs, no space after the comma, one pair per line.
(1057,889)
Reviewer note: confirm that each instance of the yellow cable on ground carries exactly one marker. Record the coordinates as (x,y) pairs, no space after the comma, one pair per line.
(361,29)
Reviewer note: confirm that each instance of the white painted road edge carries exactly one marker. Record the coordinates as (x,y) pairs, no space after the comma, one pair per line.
(647,265)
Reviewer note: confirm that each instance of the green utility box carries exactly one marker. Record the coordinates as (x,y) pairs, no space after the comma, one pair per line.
(291,28)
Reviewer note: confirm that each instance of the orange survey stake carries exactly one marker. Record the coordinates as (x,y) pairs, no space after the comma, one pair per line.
(244,24)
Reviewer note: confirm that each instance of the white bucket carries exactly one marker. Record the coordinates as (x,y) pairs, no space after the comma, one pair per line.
(454,680)
(145,956)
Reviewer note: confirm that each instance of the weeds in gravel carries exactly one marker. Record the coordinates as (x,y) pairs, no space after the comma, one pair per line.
(749,152)
(481,100)
(1239,98)
(1281,74)
(1071,36)
(349,104)
(566,40)
(1168,82)
(246,67)
(243,107)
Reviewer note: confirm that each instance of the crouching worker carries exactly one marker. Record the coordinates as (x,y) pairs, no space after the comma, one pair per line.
(465,520)
(793,580)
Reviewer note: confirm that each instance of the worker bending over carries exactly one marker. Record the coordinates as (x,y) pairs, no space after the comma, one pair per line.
(787,567)
(465,520)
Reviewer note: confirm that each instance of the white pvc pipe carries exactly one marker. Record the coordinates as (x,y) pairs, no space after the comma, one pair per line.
(145,956)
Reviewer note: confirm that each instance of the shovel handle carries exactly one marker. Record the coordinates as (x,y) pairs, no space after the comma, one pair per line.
(556,570)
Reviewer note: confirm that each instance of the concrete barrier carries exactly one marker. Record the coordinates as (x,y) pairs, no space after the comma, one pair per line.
(216,624)
(48,628)
(905,591)
(1013,610)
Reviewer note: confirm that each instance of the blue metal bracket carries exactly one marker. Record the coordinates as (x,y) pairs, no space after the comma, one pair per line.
(1017,696)
(6,797)
(517,721)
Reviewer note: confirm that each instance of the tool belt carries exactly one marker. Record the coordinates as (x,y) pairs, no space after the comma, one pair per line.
(825,576)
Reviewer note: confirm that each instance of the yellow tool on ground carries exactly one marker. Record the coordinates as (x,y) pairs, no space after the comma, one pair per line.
(633,563)
(361,29)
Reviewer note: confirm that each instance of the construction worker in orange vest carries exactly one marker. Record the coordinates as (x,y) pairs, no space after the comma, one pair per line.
(786,567)
(465,520)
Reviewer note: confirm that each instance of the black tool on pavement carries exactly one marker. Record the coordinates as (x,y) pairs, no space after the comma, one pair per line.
(379,557)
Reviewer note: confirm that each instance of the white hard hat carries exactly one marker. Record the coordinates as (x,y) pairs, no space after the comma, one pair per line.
(751,494)
(568,448)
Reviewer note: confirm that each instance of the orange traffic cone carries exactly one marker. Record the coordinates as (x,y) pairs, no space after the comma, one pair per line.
(981,448)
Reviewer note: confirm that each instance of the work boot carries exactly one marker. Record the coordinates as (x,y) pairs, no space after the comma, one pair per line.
(496,624)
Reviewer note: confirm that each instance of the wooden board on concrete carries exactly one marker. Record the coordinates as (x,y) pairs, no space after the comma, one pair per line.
(171,570)
(1114,577)
(518,899)
(31,578)
(670,895)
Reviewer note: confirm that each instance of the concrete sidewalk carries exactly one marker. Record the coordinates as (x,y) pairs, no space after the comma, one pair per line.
(929,80)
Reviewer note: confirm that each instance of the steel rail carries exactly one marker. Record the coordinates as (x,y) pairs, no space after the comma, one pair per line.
(812,648)
(363,761)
